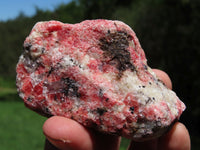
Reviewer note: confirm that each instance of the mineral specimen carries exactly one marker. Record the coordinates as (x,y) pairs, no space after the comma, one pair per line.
(96,73)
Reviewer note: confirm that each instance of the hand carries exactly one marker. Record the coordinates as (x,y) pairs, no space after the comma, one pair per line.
(67,134)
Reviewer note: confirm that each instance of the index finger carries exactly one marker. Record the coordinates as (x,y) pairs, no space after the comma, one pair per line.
(65,133)
(163,77)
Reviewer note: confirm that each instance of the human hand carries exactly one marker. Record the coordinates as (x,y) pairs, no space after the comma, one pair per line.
(66,134)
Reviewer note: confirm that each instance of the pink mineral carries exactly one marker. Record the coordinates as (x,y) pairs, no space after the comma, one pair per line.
(96,73)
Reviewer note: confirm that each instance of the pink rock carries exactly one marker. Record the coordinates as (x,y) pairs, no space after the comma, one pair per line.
(96,73)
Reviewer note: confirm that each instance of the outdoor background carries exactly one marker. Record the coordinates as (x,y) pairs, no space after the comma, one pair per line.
(168,31)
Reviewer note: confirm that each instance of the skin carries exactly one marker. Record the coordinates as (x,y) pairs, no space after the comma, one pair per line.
(66,134)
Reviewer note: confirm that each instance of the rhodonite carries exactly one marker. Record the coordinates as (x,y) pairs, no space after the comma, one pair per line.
(96,73)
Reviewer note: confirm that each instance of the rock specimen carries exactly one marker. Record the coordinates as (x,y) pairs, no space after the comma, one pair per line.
(96,73)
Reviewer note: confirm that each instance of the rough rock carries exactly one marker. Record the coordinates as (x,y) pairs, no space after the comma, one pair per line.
(96,73)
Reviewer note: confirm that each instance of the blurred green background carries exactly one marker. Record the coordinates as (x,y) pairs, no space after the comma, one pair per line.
(168,31)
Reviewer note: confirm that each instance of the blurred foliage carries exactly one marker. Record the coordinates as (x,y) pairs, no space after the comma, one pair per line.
(167,29)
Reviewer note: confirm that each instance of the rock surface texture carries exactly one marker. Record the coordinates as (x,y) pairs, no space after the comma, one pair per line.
(96,73)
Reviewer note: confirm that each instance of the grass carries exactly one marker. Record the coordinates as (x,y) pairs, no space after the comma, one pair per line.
(20,128)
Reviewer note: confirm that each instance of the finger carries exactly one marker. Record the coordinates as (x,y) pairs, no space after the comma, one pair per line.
(177,138)
(68,134)
(65,133)
(163,77)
